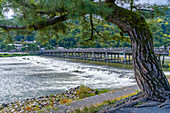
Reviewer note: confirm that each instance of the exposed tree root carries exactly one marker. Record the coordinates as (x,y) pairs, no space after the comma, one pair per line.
(148,103)
(166,104)
(138,101)
(129,102)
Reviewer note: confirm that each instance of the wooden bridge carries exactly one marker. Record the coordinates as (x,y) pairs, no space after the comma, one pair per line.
(114,55)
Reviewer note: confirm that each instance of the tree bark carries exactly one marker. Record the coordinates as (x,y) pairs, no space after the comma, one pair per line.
(148,73)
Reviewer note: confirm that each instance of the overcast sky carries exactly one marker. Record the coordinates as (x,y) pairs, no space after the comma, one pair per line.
(151,1)
(154,1)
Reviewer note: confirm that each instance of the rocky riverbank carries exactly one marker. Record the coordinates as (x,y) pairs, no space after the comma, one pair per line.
(75,100)
(49,102)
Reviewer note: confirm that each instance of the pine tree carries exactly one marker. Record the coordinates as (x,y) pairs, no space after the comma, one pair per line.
(52,16)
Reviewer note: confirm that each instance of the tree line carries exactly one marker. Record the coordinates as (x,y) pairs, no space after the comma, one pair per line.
(73,38)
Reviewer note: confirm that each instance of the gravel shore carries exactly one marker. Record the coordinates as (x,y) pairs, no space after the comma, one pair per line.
(63,102)
(69,101)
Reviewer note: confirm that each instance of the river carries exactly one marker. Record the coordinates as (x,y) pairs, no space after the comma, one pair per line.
(34,76)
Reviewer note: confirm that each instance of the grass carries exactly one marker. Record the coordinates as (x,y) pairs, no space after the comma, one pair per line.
(12,55)
(98,107)
(64,101)
(84,92)
(102,91)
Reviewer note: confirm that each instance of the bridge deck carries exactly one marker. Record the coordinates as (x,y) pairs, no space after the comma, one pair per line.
(99,54)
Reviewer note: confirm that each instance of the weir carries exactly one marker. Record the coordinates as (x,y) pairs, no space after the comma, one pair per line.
(113,55)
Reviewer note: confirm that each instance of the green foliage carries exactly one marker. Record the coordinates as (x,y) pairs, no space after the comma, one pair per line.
(102,91)
(160,28)
(76,30)
(30,47)
(12,55)
(84,91)
(77,110)
(91,109)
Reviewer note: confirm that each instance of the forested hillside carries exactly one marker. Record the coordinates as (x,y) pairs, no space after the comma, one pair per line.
(161,31)
(160,28)
(77,35)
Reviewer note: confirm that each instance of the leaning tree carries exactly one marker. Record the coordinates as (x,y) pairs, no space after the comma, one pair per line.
(53,15)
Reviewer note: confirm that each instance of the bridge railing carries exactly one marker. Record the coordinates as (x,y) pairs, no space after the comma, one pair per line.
(116,49)
(161,49)
(96,49)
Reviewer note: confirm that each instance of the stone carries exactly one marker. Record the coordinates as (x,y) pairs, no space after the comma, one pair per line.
(18,109)
(71,92)
(95,92)
(75,93)
(40,97)
(78,87)
(15,106)
(4,105)
(22,111)
(12,110)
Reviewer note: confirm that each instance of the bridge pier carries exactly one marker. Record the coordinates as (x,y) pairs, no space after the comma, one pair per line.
(99,54)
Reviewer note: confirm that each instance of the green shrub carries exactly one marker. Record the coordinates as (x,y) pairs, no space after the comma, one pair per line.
(6,54)
(102,91)
(93,109)
(77,110)
(84,92)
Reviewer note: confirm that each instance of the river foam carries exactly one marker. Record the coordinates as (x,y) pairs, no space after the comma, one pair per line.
(32,76)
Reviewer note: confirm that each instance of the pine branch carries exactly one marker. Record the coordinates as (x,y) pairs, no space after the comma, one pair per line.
(97,32)
(143,9)
(92,26)
(25,4)
(34,7)
(60,10)
(12,27)
(37,26)
(131,4)
(84,18)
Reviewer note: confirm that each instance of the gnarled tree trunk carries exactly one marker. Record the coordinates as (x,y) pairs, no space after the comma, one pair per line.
(147,70)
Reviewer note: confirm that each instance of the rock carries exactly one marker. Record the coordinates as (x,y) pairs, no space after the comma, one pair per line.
(4,105)
(95,92)
(71,92)
(22,111)
(18,109)
(40,97)
(75,89)
(15,106)
(75,93)
(12,110)
(77,71)
(63,93)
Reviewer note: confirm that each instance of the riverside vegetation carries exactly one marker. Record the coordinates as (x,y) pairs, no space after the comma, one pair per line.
(50,102)
(73,36)
(13,55)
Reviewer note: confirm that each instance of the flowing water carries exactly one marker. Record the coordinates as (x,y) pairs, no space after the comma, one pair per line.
(33,76)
